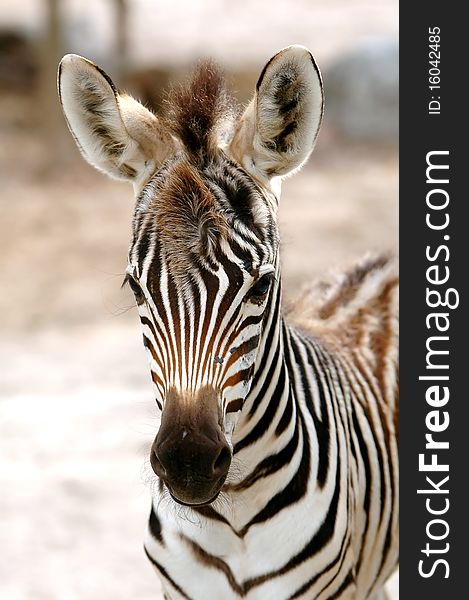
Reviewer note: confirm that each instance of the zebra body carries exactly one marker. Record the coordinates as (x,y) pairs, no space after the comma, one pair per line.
(276,456)
(327,534)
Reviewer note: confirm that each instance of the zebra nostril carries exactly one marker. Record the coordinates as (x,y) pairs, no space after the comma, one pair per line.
(222,462)
(156,464)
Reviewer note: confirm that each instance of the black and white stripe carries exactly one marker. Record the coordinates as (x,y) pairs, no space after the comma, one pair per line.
(314,449)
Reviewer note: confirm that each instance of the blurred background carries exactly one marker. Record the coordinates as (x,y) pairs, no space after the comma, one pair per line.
(76,410)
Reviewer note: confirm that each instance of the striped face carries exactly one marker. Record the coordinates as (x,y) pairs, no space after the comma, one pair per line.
(202,277)
(203,260)
(203,267)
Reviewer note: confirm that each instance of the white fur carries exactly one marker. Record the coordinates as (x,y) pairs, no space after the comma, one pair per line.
(141,142)
(253,141)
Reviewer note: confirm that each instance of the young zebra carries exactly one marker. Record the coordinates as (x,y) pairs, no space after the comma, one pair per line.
(280,441)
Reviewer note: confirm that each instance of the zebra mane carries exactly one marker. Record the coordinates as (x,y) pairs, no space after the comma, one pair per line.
(351,307)
(198,111)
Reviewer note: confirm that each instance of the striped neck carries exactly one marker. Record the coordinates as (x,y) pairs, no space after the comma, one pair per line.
(269,386)
(268,440)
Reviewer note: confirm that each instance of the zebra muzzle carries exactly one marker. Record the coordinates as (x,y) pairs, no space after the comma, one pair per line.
(190,453)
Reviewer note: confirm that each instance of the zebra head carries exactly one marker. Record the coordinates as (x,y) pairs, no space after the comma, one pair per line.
(203,261)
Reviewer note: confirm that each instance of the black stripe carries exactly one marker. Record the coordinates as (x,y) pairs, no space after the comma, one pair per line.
(321,424)
(165,574)
(272,463)
(366,464)
(293,492)
(261,367)
(287,414)
(154,526)
(345,584)
(317,542)
(262,425)
(339,559)
(144,243)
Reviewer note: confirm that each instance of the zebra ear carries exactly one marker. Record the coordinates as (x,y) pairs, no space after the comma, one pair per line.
(278,129)
(114,132)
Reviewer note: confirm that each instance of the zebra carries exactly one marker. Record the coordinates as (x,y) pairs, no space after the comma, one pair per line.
(276,455)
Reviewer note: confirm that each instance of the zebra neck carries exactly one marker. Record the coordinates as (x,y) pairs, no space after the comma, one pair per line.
(272,456)
(283,445)
(268,417)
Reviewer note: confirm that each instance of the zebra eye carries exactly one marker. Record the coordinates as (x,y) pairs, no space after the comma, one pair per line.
(259,290)
(136,289)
